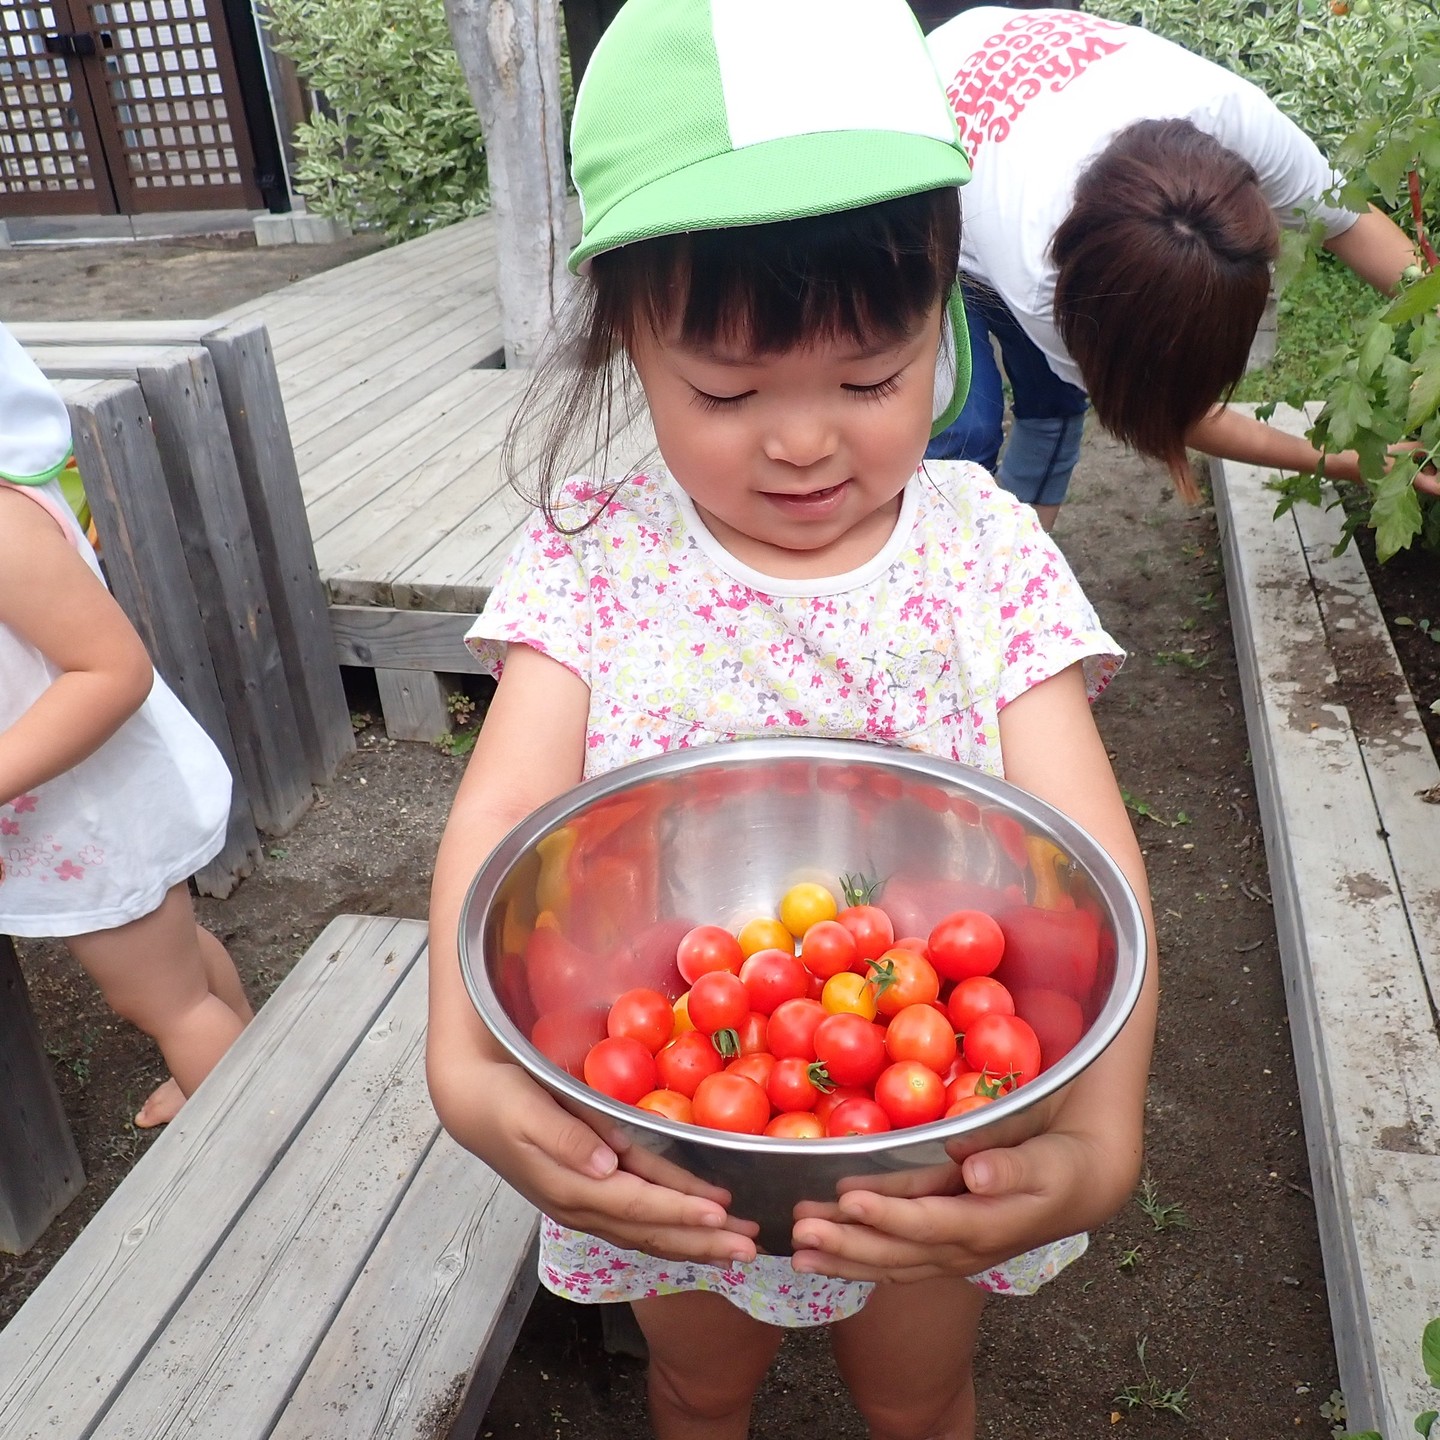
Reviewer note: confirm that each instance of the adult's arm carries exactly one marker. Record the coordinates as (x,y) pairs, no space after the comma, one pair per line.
(1376,249)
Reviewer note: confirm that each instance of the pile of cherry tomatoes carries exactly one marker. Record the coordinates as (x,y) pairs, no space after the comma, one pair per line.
(821,1023)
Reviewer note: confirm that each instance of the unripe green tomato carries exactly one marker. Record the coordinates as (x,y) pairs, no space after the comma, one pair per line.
(1411,273)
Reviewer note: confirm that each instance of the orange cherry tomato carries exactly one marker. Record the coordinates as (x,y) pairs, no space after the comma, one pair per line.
(921,1033)
(796,1125)
(964,1104)
(756,1067)
(731,1102)
(901,978)
(804,905)
(669,1103)
(763,933)
(849,994)
(910,1093)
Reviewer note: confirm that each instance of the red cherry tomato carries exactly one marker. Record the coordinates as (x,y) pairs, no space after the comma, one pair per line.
(644,1015)
(686,1061)
(621,1068)
(969,942)
(910,1093)
(825,1106)
(857,1117)
(964,1104)
(757,1067)
(791,1029)
(851,1048)
(706,948)
(751,1034)
(827,948)
(870,928)
(1056,1018)
(1050,950)
(901,978)
(731,1102)
(795,1125)
(669,1103)
(773,976)
(961,1083)
(921,1033)
(791,1085)
(977,996)
(916,943)
(1003,1046)
(718,1001)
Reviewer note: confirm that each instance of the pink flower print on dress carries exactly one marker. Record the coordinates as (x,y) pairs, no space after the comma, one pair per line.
(23,804)
(8,827)
(90,855)
(69,870)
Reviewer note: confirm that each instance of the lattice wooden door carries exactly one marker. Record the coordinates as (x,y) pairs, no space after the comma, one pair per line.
(129,105)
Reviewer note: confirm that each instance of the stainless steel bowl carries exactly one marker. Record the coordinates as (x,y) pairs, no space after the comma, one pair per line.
(587,897)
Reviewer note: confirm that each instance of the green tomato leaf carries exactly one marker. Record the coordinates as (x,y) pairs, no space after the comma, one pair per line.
(1425,390)
(1348,410)
(1415,300)
(1395,509)
(1375,341)
(1425,1423)
(1430,1351)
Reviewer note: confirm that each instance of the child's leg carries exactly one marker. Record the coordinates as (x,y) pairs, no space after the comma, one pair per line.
(907,1359)
(707,1359)
(154,973)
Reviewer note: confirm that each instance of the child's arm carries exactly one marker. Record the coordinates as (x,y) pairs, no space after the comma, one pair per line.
(531,749)
(1080,1171)
(50,597)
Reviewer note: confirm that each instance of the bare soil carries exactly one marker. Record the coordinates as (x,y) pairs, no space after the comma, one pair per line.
(1219,1279)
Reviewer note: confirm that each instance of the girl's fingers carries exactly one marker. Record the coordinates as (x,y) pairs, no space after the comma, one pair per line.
(659,1171)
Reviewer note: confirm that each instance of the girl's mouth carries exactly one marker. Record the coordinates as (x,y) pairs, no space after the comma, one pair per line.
(812,504)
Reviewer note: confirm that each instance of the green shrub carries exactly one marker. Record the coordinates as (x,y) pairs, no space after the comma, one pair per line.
(396,143)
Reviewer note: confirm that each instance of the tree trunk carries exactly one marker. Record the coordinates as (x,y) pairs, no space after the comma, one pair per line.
(510,54)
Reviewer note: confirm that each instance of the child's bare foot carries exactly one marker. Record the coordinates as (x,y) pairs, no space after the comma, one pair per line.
(162,1106)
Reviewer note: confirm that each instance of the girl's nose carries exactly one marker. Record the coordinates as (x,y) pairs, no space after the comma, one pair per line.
(800,438)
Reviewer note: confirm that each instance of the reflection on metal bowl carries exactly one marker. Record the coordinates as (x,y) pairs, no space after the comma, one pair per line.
(588,897)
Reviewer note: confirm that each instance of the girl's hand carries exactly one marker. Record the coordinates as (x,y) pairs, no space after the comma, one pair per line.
(1346,466)
(602,1185)
(1017,1198)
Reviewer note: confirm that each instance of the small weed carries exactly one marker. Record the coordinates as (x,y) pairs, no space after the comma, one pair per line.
(1425,627)
(1189,623)
(1333,1410)
(1187,659)
(1142,808)
(1129,1261)
(1193,551)
(1425,1424)
(466,712)
(1162,1215)
(1205,602)
(277,852)
(1151,1394)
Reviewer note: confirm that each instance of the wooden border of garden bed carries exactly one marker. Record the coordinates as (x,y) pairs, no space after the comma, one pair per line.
(1348,787)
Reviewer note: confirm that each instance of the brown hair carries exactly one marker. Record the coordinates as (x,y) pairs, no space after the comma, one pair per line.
(1164,268)
(867,274)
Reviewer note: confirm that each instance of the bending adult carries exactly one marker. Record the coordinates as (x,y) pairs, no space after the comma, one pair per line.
(1119,229)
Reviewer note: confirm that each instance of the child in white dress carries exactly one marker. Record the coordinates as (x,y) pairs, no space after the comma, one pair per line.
(111,795)
(771,243)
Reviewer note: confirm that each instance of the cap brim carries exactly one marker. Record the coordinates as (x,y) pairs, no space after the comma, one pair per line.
(787,179)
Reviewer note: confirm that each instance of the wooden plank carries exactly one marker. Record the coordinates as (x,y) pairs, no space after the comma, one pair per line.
(286,1264)
(59,1372)
(1367,1054)
(413,704)
(265,461)
(214,520)
(148,570)
(377,639)
(40,1170)
(449,1280)
(440,436)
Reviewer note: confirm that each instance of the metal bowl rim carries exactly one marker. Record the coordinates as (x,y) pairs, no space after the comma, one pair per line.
(1044,817)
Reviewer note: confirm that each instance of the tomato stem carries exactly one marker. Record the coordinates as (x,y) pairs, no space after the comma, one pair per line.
(859,889)
(1418,214)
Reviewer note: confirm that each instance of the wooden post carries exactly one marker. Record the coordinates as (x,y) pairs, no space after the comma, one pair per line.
(146,565)
(510,53)
(40,1172)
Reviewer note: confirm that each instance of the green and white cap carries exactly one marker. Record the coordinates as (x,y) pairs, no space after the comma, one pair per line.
(34,426)
(708,114)
(703,114)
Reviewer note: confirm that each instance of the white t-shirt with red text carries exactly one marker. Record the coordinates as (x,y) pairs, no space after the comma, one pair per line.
(1038,93)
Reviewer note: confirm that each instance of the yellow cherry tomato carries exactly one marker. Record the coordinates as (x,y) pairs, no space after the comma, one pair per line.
(805,905)
(681,1007)
(849,994)
(764,933)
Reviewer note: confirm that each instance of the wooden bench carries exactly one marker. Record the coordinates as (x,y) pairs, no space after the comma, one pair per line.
(303,1253)
(1348,787)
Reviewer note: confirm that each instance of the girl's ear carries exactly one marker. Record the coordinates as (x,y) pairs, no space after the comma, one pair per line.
(952,363)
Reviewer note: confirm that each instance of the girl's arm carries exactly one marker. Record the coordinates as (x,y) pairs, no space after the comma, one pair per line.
(531,749)
(1376,249)
(1080,1170)
(51,598)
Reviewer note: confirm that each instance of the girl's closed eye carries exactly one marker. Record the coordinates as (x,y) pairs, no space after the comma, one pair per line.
(878,391)
(706,401)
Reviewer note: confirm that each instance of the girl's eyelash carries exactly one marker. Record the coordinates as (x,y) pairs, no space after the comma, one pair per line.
(717,402)
(878,391)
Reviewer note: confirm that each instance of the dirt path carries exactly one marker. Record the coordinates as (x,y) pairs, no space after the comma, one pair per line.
(1225,1290)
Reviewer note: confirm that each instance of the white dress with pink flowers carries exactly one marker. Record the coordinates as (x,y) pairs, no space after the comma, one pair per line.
(968,605)
(100,845)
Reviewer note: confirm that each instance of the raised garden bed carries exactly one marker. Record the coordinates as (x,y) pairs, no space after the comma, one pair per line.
(1348,787)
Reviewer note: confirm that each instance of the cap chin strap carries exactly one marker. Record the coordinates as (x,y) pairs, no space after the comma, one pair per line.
(952,364)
